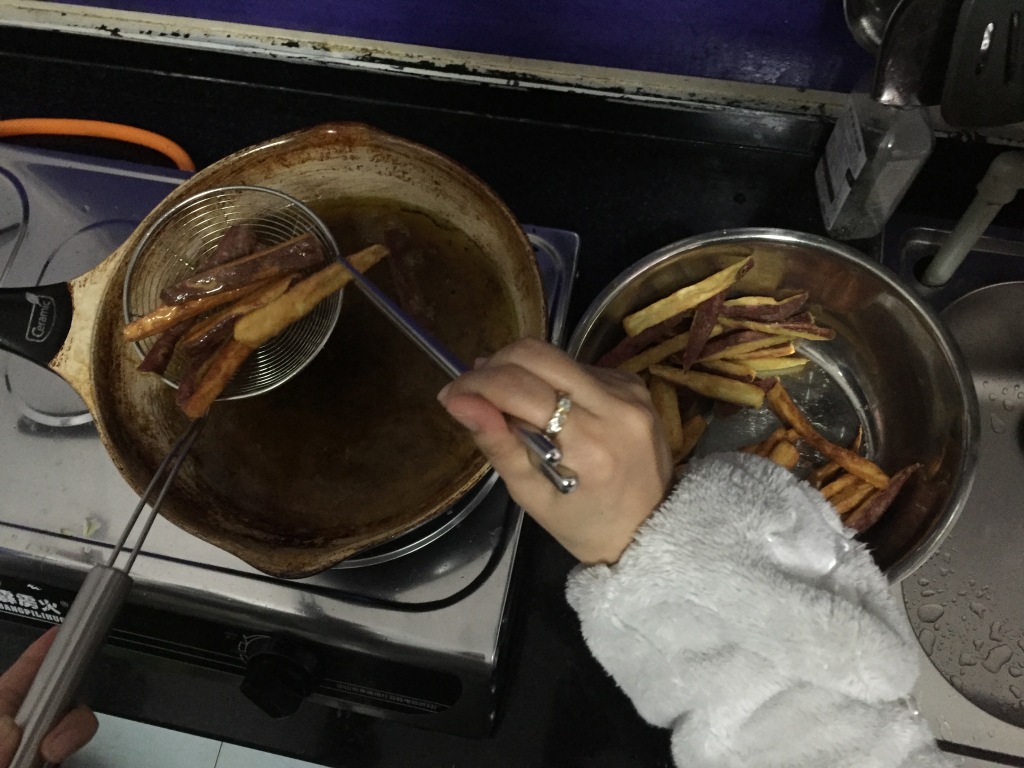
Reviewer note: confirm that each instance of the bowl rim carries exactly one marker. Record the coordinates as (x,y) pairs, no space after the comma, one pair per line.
(949,348)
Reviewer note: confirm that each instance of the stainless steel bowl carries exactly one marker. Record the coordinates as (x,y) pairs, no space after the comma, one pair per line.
(892,368)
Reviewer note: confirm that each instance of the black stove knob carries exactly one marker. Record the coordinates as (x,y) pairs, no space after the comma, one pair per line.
(280,675)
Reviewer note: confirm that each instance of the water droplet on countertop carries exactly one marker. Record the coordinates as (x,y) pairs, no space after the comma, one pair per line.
(927,639)
(1015,671)
(944,571)
(1016,691)
(930,613)
(923,582)
(978,609)
(997,658)
(992,397)
(1008,405)
(997,424)
(995,632)
(968,659)
(927,593)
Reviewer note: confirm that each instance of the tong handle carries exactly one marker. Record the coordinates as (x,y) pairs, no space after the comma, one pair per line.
(60,676)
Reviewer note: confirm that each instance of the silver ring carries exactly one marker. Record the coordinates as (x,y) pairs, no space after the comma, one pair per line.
(557,420)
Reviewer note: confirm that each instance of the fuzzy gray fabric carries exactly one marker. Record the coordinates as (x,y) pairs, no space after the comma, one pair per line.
(747,620)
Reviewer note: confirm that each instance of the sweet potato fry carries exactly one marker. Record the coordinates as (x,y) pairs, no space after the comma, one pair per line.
(293,255)
(869,511)
(785,454)
(703,326)
(776,365)
(160,354)
(223,366)
(851,497)
(827,471)
(263,324)
(693,430)
(733,370)
(713,386)
(666,403)
(778,350)
(736,343)
(237,242)
(764,308)
(792,328)
(687,297)
(631,346)
(659,352)
(162,318)
(764,447)
(839,485)
(218,327)
(788,413)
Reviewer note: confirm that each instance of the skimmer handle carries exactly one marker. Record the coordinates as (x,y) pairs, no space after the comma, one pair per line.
(78,641)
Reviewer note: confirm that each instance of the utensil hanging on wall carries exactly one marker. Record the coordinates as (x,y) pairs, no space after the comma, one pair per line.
(984,84)
(914,53)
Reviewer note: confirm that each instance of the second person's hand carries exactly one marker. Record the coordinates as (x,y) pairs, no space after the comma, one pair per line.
(611,439)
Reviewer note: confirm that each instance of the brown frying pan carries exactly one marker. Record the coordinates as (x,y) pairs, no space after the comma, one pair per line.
(354,450)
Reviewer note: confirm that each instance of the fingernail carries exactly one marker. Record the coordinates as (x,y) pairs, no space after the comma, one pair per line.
(442,396)
(480,362)
(59,745)
(464,420)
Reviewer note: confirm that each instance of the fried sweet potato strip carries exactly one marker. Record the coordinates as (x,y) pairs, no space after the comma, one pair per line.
(704,322)
(739,342)
(788,413)
(713,386)
(693,430)
(796,328)
(294,255)
(666,403)
(659,352)
(851,497)
(869,511)
(160,354)
(263,324)
(634,345)
(217,328)
(827,471)
(764,308)
(785,454)
(162,318)
(222,367)
(687,297)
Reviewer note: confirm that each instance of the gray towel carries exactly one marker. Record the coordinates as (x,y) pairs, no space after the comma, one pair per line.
(748,620)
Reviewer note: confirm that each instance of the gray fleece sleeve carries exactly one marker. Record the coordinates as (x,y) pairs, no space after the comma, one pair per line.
(745,618)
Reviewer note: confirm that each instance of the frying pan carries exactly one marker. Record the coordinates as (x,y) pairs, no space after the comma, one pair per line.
(354,450)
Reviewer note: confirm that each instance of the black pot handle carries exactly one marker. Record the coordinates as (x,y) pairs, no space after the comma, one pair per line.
(34,322)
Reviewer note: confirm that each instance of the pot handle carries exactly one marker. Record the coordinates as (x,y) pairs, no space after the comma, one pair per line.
(78,640)
(35,322)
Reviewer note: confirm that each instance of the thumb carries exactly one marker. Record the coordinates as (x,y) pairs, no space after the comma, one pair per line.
(490,430)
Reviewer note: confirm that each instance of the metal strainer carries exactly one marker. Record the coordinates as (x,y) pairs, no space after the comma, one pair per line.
(178,241)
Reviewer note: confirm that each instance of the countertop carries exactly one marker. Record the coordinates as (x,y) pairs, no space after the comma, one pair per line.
(628,177)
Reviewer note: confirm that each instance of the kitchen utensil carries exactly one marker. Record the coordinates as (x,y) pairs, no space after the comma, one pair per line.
(356,450)
(914,52)
(548,456)
(168,251)
(984,84)
(892,369)
(866,20)
(88,621)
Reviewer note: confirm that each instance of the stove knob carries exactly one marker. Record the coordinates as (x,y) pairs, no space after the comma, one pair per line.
(280,674)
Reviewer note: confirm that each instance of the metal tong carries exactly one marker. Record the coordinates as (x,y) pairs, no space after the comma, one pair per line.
(547,455)
(88,621)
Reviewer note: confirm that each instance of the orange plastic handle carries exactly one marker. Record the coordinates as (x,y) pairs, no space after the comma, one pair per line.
(36,126)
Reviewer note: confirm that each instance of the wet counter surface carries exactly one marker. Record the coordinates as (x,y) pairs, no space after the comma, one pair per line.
(627,178)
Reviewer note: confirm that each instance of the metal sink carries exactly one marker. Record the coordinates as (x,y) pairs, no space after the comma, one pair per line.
(966,603)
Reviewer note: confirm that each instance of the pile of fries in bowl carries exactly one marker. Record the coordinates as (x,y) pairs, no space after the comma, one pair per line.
(802,351)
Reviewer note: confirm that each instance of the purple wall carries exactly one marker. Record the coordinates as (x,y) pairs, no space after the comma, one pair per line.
(785,42)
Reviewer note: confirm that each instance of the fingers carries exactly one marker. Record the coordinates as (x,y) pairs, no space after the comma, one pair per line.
(71,734)
(15,682)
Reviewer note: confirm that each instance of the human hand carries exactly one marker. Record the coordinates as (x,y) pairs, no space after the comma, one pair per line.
(612,440)
(68,736)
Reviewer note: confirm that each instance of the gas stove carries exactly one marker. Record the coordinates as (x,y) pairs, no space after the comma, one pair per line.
(413,630)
